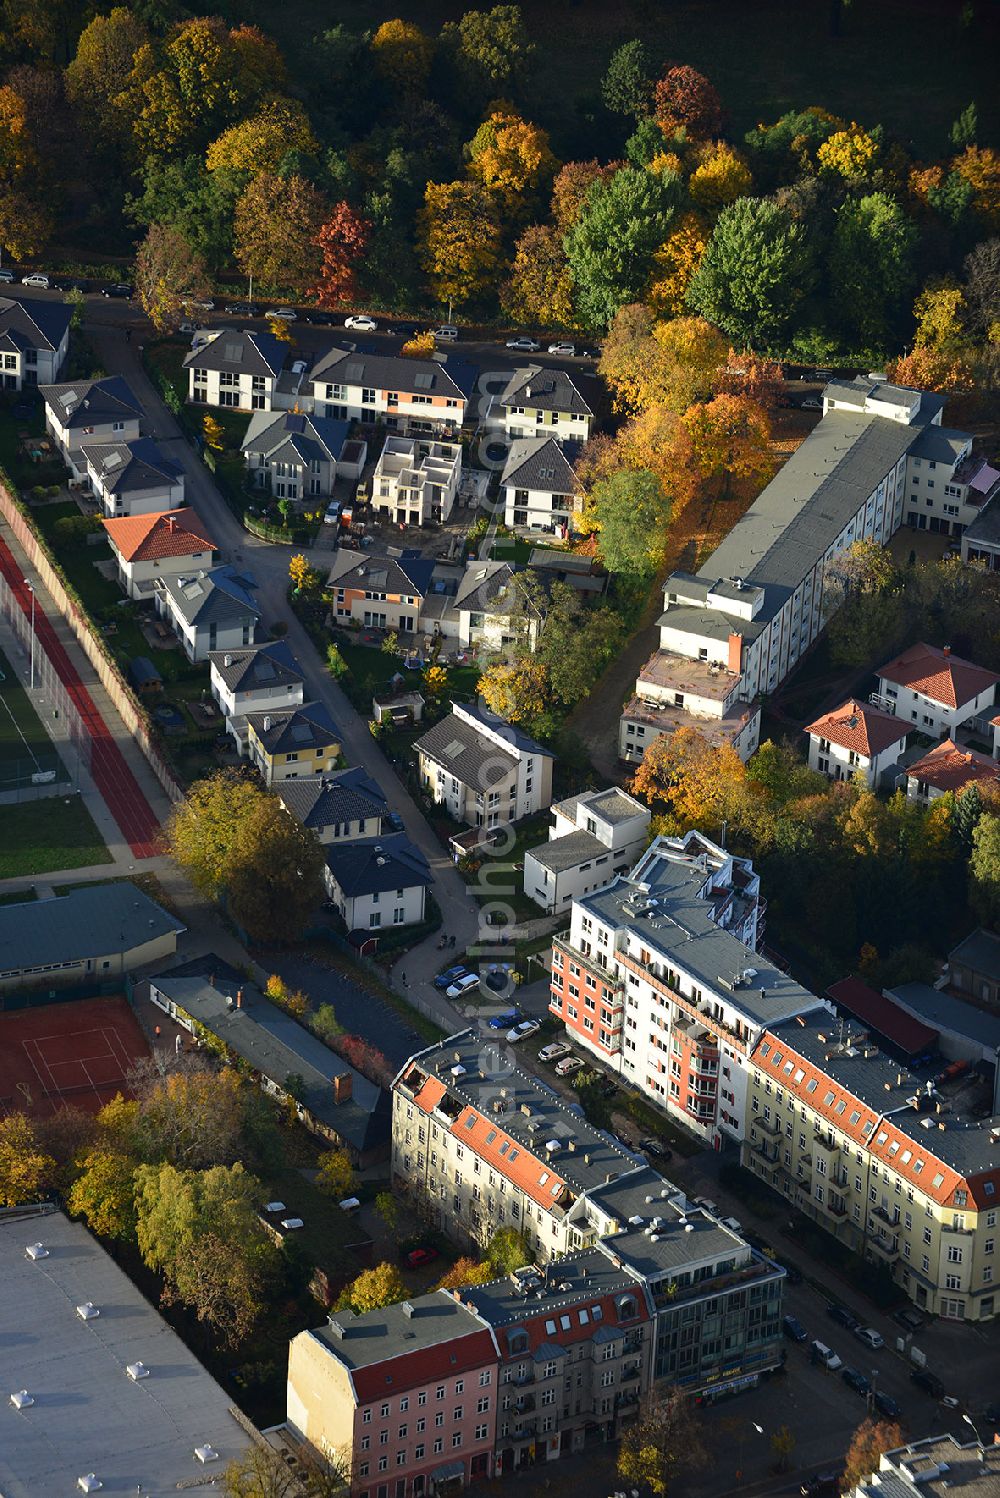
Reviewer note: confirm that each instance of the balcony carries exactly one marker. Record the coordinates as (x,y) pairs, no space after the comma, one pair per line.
(883,1214)
(887,1249)
(524,1404)
(836,1207)
(767,1125)
(523,1432)
(765,1151)
(630,1373)
(523,1379)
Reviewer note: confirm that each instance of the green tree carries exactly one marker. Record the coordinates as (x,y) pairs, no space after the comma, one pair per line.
(387,1208)
(26,1171)
(275,882)
(632,512)
(965,129)
(492,51)
(871,267)
(102,67)
(755,273)
(203,830)
(664,1441)
(984,870)
(373,1289)
(610,248)
(577,642)
(196,203)
(508,1249)
(335,663)
(627,86)
(104,1193)
(168,273)
(335,1175)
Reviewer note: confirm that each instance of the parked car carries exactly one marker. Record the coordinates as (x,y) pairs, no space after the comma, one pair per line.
(568,1065)
(199,304)
(842,1316)
(553,1051)
(524,345)
(7,277)
(821,1485)
(732,1223)
(886,1405)
(447,333)
(462,985)
(564,350)
(656,1147)
(523,1030)
(812,403)
(282,314)
(418,1256)
(793,1329)
(292,1224)
(361,322)
(331,515)
(37,278)
(870,1337)
(909,1317)
(242,309)
(80,286)
(928,1381)
(706,1204)
(506,1020)
(825,1356)
(450,975)
(396,822)
(855,1380)
(319,318)
(792,1274)
(120,291)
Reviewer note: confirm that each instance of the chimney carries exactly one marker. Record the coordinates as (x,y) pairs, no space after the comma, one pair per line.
(946,650)
(171,523)
(343,1085)
(239,998)
(735,651)
(211,980)
(407,1310)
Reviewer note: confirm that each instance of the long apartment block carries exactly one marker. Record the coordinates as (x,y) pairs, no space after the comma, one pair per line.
(659,976)
(735,630)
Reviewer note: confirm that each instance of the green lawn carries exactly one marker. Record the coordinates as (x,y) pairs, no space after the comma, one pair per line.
(25,747)
(328,1234)
(55,833)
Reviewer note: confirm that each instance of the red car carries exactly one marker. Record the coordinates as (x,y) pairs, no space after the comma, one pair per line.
(418,1256)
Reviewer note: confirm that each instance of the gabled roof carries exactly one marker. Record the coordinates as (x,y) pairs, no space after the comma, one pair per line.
(35,324)
(325,800)
(510,732)
(373,865)
(466,754)
(866,730)
(484,585)
(93,921)
(406,576)
(214,597)
(949,768)
(386,372)
(980,950)
(268,665)
(89,403)
(544,390)
(431,1337)
(310,438)
(244,352)
(540,463)
(290,730)
(937,674)
(145,538)
(129,467)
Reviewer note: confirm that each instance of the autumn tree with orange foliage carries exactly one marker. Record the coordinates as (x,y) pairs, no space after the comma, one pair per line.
(754,375)
(670,364)
(512,158)
(674,263)
(658,440)
(871,1439)
(539,293)
(466,1271)
(342,239)
(730,438)
(685,100)
(420,346)
(698,783)
(570,188)
(980,167)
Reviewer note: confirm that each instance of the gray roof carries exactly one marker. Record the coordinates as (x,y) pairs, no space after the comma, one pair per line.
(219,596)
(808,503)
(940,444)
(980,951)
(287,730)
(710,624)
(469,756)
(289,436)
(682,931)
(484,585)
(561,853)
(937,1467)
(253,666)
(386,372)
(84,403)
(277,1046)
(539,463)
(612,805)
(96,921)
(376,865)
(944,1012)
(588,1274)
(986,526)
(544,390)
(675,1248)
(510,732)
(33,323)
(244,352)
(130,467)
(397,1330)
(408,576)
(323,800)
(88,1415)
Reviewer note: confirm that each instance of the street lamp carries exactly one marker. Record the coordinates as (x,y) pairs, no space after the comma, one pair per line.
(970,1423)
(760,1431)
(32,592)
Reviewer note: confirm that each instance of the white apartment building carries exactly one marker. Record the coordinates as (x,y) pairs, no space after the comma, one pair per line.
(405,395)
(856,739)
(485,771)
(764,595)
(674,691)
(539,402)
(659,976)
(415,480)
(946,487)
(937,692)
(593,837)
(540,489)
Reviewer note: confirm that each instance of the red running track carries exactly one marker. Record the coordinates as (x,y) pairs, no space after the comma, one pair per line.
(112,776)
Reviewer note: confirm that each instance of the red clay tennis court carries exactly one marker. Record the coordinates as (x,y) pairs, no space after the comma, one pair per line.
(75,1054)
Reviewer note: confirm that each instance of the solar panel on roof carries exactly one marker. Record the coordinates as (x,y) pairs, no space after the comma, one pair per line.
(301,732)
(233,353)
(295,423)
(354,372)
(113,460)
(265,671)
(454,749)
(423,379)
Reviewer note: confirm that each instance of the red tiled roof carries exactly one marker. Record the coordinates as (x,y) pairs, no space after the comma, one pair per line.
(534,1325)
(533,1175)
(857,726)
(430,1093)
(147,538)
(411,1369)
(939,675)
(874,1009)
(949,768)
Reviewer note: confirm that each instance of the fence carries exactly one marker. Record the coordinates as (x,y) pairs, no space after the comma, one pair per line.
(37,998)
(50,700)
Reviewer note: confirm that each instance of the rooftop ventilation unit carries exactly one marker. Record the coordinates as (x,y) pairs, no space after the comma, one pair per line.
(552,1146)
(36,1251)
(206,1453)
(89,1483)
(636,1221)
(21,1399)
(689,1227)
(650,1200)
(458,1071)
(136,1371)
(87,1312)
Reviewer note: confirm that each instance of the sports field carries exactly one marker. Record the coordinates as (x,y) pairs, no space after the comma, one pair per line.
(25,747)
(78,1053)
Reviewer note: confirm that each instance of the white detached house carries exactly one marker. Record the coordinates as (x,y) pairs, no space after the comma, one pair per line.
(34,341)
(90,411)
(856,738)
(539,402)
(378,882)
(937,692)
(540,489)
(147,547)
(255,679)
(133,478)
(593,838)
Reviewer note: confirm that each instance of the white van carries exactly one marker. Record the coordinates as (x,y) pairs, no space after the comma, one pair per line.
(447,333)
(820,1353)
(349,1204)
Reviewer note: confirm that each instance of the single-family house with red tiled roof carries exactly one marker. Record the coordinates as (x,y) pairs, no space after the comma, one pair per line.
(150,546)
(936,691)
(854,739)
(947,768)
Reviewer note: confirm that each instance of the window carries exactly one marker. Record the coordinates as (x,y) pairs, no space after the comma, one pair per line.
(954,1255)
